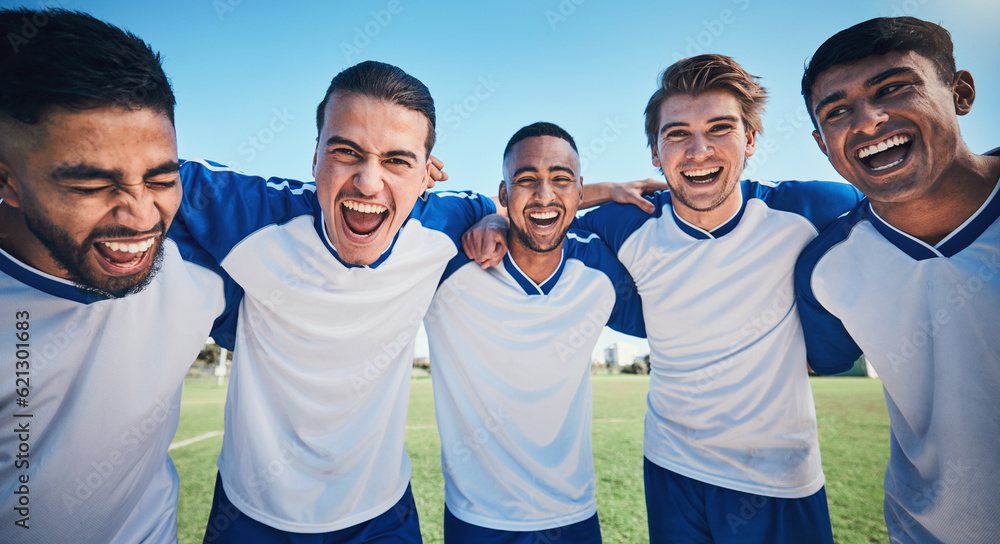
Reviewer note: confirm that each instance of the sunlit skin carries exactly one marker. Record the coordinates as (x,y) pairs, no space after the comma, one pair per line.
(370,166)
(542,190)
(88,195)
(702,147)
(925,180)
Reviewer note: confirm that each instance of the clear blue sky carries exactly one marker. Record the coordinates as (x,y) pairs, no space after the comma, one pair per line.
(248,74)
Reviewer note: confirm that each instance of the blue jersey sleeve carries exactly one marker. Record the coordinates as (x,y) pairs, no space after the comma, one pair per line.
(829,347)
(452,212)
(224,328)
(821,202)
(626,315)
(221,206)
(615,222)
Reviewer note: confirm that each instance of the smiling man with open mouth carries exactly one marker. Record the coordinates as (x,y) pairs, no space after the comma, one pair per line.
(338,276)
(511,347)
(104,307)
(714,266)
(911,276)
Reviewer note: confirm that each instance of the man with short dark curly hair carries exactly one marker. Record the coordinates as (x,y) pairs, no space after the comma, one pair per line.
(911,276)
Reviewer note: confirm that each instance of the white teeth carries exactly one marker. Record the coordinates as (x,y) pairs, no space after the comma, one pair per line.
(364,208)
(699,173)
(894,163)
(133,247)
(882,146)
(544,215)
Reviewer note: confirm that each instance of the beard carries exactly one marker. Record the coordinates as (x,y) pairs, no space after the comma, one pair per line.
(719,199)
(72,257)
(530,243)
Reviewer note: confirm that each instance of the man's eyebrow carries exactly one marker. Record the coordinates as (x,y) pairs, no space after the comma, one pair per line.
(354,145)
(558,168)
(168,167)
(400,153)
(668,126)
(870,82)
(83,172)
(833,97)
(343,141)
(879,78)
(524,169)
(730,118)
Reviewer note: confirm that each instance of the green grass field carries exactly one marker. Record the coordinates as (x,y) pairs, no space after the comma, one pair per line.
(853,434)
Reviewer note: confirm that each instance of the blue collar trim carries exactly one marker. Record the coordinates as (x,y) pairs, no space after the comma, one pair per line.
(959,239)
(52,285)
(527,284)
(321,231)
(723,229)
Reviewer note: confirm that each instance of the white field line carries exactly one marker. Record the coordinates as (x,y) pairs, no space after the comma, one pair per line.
(192,440)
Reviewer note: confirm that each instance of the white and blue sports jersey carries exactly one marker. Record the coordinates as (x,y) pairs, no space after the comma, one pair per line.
(928,320)
(729,401)
(510,361)
(92,397)
(316,410)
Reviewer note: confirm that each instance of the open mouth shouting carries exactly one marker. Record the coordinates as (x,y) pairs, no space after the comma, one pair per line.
(362,220)
(543,219)
(543,227)
(125,257)
(886,154)
(703,176)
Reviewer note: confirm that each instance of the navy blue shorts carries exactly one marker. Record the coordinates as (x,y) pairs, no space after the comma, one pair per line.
(681,510)
(227,525)
(457,531)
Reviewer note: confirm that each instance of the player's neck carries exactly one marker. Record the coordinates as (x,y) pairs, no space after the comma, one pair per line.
(708,220)
(962,190)
(17,240)
(539,266)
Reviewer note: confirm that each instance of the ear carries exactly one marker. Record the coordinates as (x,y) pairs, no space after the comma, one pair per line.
(964,92)
(751,143)
(502,193)
(315,158)
(819,141)
(9,187)
(426,181)
(579,185)
(656,157)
